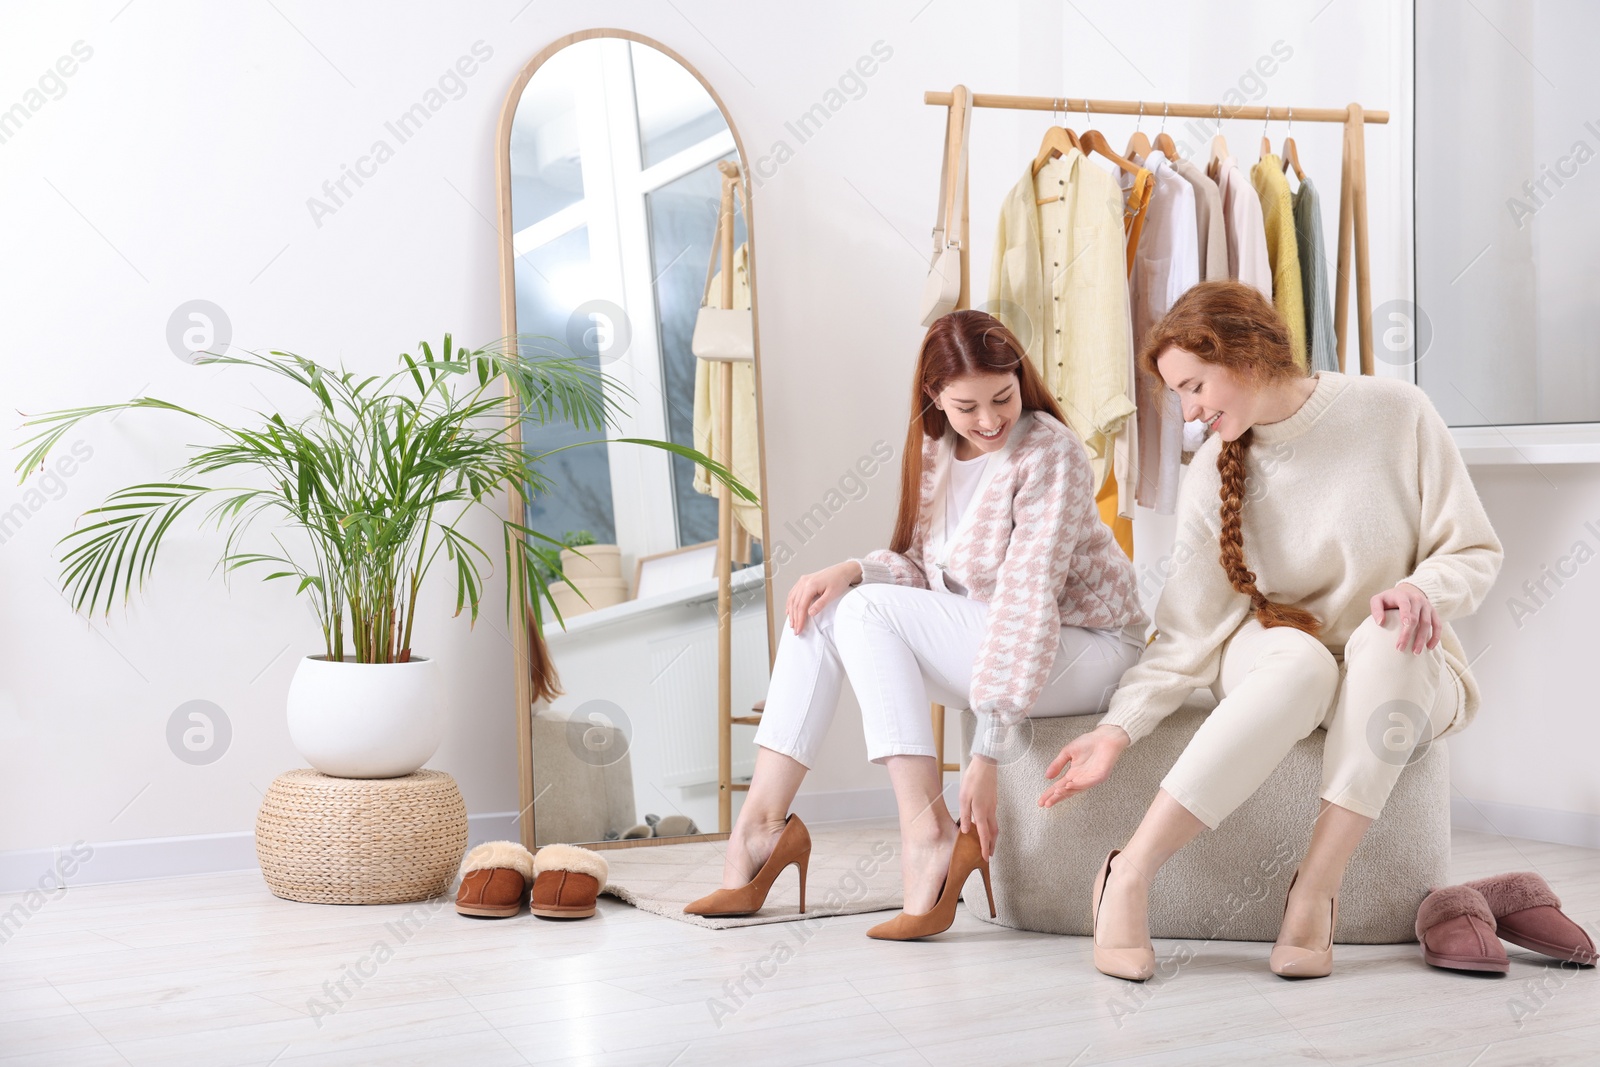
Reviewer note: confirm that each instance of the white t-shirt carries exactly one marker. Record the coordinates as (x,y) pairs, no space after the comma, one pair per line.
(964,476)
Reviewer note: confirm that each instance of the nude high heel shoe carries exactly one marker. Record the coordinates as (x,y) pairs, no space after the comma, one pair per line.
(1136,963)
(792,847)
(965,858)
(1293,961)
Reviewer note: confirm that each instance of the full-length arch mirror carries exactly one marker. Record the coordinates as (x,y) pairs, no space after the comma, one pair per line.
(617,164)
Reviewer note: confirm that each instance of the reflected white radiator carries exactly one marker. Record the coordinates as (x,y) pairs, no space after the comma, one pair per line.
(683,683)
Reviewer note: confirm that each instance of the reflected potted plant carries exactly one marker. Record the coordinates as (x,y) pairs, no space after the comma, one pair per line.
(366,491)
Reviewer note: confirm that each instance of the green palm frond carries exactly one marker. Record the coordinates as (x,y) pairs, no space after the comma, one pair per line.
(365,491)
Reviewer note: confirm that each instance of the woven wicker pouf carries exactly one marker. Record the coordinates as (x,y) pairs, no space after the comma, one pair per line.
(326,840)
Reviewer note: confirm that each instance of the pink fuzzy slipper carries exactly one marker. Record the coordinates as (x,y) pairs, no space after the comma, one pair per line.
(1456,929)
(1528,913)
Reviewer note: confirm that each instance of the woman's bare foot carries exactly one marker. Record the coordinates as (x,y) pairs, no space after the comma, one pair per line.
(1305,922)
(925,851)
(749,845)
(1123,920)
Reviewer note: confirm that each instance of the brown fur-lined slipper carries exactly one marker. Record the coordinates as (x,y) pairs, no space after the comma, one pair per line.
(566,881)
(1456,929)
(1528,913)
(495,879)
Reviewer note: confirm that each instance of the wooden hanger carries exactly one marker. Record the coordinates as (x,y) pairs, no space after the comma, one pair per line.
(1163,143)
(1291,157)
(1138,144)
(1219,149)
(1057,139)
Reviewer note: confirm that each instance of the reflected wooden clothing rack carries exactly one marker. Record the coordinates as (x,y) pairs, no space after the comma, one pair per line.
(1352,227)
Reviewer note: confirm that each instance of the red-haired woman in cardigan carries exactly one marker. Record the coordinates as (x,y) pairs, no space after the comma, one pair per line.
(1002,591)
(1366,537)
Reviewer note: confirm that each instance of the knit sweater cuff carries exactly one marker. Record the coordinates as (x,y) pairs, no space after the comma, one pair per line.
(1429,584)
(1137,722)
(992,738)
(873,570)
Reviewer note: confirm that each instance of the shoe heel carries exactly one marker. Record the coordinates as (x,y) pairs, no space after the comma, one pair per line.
(800,866)
(988,889)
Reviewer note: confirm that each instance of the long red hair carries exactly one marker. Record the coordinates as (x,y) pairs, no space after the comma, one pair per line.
(1231,324)
(958,345)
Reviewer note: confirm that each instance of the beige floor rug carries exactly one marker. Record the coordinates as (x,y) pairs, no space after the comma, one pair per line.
(854,867)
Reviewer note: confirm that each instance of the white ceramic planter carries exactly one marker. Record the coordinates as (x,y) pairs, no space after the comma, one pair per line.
(366,720)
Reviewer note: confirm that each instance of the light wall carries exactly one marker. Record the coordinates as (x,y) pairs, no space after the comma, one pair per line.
(180,163)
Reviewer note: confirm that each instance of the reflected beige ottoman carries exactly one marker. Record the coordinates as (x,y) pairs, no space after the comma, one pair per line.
(1228,883)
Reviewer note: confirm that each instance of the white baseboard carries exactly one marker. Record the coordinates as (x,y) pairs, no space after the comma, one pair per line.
(1518,820)
(22,870)
(87,863)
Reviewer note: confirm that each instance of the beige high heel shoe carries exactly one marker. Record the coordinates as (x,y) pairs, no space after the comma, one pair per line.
(1133,963)
(1293,961)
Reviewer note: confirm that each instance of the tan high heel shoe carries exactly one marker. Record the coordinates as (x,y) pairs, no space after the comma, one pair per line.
(1133,963)
(1293,961)
(965,858)
(792,847)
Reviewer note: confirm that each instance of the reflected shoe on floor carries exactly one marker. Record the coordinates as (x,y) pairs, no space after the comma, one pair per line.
(792,847)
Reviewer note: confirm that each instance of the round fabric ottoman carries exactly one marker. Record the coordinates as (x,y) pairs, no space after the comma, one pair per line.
(326,840)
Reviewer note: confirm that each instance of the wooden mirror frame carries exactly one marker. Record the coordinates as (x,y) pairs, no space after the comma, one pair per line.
(526,811)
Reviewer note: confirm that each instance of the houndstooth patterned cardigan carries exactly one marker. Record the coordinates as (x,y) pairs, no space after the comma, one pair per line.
(1032,545)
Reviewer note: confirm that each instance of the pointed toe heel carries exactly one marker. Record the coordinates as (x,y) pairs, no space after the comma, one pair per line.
(964,859)
(793,848)
(1296,961)
(1135,963)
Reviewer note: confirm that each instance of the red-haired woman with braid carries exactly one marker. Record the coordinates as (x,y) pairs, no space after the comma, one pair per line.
(1328,532)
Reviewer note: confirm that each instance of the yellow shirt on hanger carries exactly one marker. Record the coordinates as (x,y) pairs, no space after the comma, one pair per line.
(746,464)
(1058,282)
(1277,212)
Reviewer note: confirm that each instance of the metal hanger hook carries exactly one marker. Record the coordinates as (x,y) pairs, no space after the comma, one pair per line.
(1290,124)
(1219,120)
(1163,128)
(1139,122)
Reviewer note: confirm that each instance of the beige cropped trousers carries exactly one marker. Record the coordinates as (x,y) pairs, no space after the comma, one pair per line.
(1380,705)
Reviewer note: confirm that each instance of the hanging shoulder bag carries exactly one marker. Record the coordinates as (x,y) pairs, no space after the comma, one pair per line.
(943,288)
(723,334)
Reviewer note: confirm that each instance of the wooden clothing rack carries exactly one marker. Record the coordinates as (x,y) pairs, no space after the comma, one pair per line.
(1352,182)
(1352,204)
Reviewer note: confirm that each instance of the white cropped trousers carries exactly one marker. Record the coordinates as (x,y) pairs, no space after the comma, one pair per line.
(904,648)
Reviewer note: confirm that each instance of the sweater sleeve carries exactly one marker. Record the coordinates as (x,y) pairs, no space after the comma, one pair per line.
(1197,611)
(1019,643)
(893,568)
(1458,553)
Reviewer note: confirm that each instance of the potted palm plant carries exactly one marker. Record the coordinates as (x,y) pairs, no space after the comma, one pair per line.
(367,491)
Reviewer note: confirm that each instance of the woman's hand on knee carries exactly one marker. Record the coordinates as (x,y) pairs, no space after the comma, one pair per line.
(812,592)
(1091,756)
(978,802)
(1419,621)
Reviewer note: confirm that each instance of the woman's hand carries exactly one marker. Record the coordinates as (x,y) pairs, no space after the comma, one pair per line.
(978,802)
(813,591)
(1419,622)
(1092,756)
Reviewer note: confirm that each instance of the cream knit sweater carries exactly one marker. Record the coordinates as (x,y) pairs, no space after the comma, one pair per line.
(1358,490)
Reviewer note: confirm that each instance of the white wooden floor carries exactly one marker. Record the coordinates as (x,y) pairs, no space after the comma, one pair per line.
(213,969)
